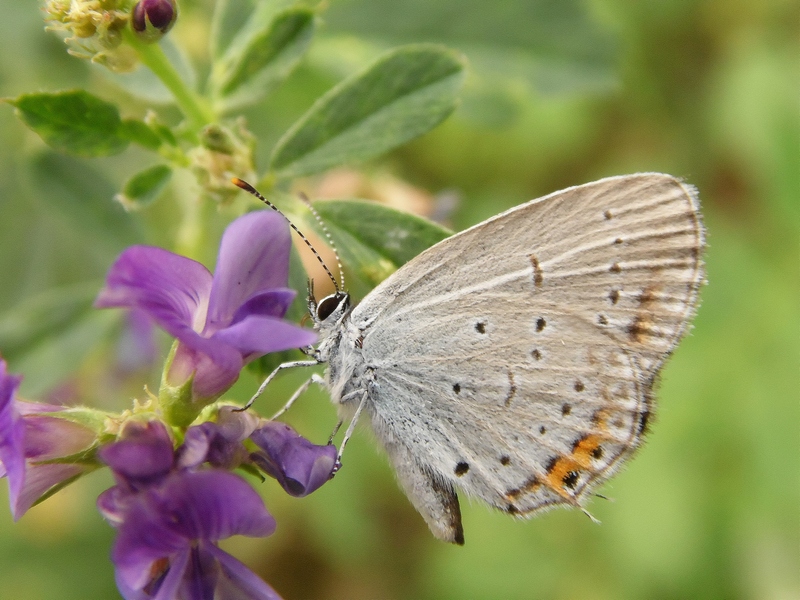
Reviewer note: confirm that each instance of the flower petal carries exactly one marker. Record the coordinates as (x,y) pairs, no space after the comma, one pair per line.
(196,443)
(144,453)
(253,258)
(26,408)
(213,374)
(256,336)
(39,479)
(168,518)
(273,303)
(236,425)
(163,579)
(211,504)
(237,581)
(172,289)
(202,575)
(178,566)
(12,437)
(299,466)
(208,442)
(113,504)
(48,437)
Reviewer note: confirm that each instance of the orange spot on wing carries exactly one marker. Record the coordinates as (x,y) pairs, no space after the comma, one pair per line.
(568,467)
(582,453)
(561,469)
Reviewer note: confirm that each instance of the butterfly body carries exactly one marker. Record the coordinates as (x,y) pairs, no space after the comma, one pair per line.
(516,360)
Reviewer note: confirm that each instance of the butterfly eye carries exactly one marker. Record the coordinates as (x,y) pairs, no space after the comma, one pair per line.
(328,305)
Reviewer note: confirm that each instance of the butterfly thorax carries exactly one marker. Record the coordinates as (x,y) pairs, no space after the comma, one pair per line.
(339,347)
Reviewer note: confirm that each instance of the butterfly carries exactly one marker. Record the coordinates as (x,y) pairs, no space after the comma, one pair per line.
(515,361)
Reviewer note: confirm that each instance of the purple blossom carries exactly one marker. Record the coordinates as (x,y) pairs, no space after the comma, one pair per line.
(219,443)
(142,456)
(299,466)
(166,546)
(29,438)
(222,322)
(170,516)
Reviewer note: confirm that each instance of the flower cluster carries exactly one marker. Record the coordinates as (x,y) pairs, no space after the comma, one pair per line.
(174,457)
(94,29)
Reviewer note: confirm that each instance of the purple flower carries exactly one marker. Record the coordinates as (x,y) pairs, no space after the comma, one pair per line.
(219,443)
(299,466)
(28,439)
(222,322)
(142,456)
(169,518)
(166,546)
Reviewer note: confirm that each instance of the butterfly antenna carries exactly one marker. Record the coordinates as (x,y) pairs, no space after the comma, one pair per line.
(327,235)
(240,183)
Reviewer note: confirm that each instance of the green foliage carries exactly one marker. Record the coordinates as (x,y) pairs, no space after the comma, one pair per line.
(404,94)
(140,133)
(262,57)
(375,240)
(553,46)
(85,197)
(76,122)
(144,187)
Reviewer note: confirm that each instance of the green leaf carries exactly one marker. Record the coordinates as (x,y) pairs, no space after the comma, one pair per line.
(49,336)
(85,197)
(144,187)
(402,95)
(373,240)
(75,122)
(27,324)
(256,62)
(554,45)
(140,133)
(395,235)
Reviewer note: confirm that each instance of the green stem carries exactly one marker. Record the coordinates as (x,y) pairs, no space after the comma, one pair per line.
(153,57)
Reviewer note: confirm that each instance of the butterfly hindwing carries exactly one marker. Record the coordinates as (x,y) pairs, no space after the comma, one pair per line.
(516,359)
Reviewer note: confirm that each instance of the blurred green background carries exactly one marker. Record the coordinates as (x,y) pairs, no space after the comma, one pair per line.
(560,93)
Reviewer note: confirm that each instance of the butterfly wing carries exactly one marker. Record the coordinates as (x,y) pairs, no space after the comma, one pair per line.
(516,360)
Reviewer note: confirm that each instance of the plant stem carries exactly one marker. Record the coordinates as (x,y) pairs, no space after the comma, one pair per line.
(153,57)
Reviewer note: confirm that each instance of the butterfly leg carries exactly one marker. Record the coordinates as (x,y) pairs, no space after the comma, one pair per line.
(350,428)
(335,430)
(263,386)
(299,392)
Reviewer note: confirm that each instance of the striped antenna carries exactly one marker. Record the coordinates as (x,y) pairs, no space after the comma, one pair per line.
(327,235)
(240,183)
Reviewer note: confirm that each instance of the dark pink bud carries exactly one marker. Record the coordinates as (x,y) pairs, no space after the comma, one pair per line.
(151,19)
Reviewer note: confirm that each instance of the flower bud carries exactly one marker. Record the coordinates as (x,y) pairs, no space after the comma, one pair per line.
(151,19)
(224,152)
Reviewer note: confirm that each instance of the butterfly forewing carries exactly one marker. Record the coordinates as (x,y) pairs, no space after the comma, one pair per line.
(516,359)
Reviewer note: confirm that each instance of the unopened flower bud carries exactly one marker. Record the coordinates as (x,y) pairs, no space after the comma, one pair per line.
(151,19)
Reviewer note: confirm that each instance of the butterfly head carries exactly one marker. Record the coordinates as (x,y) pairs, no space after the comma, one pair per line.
(329,312)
